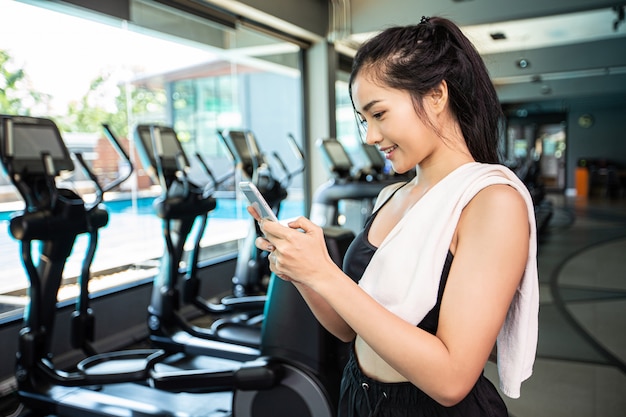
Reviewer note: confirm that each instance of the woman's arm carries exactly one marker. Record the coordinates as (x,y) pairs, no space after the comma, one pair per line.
(325,314)
(320,308)
(490,252)
(317,252)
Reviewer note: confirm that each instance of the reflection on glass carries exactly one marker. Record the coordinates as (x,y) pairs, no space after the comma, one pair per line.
(83,72)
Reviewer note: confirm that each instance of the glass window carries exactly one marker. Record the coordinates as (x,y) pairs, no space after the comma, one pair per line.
(349,133)
(82,70)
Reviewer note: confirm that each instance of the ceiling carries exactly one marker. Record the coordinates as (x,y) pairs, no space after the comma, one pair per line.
(538,32)
(554,54)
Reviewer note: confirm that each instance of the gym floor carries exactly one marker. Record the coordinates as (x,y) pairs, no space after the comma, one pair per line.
(580,369)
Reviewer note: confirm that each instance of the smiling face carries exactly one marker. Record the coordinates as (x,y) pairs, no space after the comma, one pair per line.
(392,124)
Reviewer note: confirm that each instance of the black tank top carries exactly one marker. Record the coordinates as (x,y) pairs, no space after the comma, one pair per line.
(483,399)
(360,252)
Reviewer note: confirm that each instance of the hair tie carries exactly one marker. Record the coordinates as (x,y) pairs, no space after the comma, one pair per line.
(425,19)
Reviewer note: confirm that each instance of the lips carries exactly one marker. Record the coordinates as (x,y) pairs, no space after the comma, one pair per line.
(389,150)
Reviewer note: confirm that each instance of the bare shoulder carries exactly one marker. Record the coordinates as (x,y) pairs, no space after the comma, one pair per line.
(496,208)
(499,198)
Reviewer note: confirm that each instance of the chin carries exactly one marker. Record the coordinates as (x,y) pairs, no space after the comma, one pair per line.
(400,169)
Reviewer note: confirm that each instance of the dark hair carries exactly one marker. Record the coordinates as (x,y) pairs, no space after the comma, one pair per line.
(417,58)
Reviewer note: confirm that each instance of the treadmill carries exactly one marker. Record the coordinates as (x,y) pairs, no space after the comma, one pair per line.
(347,183)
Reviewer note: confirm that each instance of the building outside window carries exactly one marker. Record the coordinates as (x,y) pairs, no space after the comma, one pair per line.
(82,70)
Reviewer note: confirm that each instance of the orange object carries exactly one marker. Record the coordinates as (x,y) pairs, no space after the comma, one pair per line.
(582,181)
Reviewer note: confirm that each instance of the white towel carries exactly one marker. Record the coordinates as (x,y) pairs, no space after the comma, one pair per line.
(405,271)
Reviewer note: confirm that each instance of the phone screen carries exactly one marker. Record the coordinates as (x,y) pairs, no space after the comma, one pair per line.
(257,201)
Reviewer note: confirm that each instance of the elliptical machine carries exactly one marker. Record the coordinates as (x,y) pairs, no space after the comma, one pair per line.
(298,366)
(236,318)
(182,205)
(296,374)
(33,154)
(252,272)
(110,384)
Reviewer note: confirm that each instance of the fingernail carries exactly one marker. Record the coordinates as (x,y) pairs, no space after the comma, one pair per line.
(270,248)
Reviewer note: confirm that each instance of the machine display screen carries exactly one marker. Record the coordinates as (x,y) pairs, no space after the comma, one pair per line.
(30,138)
(375,157)
(171,147)
(240,143)
(30,141)
(337,155)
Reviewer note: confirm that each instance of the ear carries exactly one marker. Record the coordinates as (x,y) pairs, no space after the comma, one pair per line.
(438,97)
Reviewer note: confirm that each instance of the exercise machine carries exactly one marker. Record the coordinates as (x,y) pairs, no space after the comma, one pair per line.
(252,272)
(348,183)
(297,372)
(528,169)
(182,206)
(33,155)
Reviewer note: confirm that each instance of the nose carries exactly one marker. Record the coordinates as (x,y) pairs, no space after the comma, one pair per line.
(372,135)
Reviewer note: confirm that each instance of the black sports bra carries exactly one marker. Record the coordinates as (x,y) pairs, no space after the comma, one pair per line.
(361,251)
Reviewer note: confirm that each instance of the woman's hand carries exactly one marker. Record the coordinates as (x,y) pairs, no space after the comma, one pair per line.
(298,251)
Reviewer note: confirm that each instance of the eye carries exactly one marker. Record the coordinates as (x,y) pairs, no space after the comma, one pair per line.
(378,115)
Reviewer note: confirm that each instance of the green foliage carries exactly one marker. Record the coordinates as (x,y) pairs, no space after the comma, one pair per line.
(14,98)
(104,102)
(94,108)
(7,84)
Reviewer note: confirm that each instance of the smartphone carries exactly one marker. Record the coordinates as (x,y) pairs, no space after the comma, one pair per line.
(257,201)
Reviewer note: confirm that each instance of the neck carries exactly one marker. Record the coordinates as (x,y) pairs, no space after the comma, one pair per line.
(430,172)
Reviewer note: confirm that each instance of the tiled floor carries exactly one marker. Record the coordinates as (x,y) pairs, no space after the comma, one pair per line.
(580,369)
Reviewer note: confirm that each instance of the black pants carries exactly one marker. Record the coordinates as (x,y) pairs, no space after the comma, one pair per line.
(365,397)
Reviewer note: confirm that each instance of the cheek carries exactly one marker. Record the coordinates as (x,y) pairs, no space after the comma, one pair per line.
(415,148)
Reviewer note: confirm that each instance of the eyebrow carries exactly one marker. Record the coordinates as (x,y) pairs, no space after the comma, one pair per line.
(369,105)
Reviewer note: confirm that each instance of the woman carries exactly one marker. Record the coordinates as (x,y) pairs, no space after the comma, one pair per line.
(446,263)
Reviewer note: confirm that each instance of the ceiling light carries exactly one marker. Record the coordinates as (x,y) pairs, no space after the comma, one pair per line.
(523,63)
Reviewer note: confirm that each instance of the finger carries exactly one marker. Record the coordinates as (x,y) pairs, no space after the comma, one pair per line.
(275,269)
(273,230)
(304,224)
(273,263)
(284,277)
(263,244)
(254,213)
